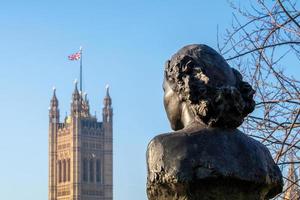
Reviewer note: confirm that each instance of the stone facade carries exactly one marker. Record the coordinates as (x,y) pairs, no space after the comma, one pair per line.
(80,151)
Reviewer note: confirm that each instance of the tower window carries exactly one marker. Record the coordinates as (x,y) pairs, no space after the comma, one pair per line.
(64,171)
(69,169)
(98,171)
(59,171)
(85,170)
(92,170)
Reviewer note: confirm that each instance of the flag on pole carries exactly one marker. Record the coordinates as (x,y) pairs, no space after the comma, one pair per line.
(78,56)
(75,56)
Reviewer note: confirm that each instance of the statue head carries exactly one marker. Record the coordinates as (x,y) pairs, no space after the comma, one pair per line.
(201,87)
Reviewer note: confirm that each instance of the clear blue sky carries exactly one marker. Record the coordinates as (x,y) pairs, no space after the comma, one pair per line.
(126,44)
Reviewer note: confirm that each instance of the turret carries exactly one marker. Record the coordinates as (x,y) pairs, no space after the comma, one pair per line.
(107,109)
(108,145)
(85,106)
(53,128)
(53,109)
(76,106)
(292,191)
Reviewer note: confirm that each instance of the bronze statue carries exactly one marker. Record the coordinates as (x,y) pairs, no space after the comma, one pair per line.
(207,157)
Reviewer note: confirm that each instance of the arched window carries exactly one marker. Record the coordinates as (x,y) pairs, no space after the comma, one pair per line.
(59,171)
(92,170)
(69,169)
(64,171)
(98,171)
(85,170)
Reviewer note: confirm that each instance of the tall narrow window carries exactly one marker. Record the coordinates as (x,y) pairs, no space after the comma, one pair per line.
(69,169)
(64,171)
(59,171)
(98,171)
(85,170)
(92,170)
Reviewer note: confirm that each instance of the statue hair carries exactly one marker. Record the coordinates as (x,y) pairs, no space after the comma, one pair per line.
(215,93)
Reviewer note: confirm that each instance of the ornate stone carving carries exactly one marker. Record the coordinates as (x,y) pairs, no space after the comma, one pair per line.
(207,157)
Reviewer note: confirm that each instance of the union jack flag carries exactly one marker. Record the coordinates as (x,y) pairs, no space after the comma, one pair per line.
(75,56)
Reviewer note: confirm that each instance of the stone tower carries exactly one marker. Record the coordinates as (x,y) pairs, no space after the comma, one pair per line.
(292,191)
(80,151)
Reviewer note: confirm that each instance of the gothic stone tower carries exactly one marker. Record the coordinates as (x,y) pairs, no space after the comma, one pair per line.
(292,189)
(80,151)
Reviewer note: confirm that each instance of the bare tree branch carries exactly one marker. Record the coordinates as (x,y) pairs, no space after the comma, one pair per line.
(261,43)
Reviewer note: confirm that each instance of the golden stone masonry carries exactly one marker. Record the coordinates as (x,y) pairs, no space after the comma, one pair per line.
(80,151)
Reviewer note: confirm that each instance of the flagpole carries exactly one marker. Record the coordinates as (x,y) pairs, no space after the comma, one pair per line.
(81,69)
